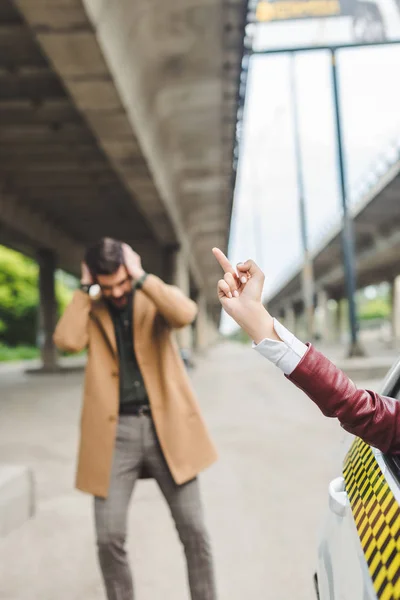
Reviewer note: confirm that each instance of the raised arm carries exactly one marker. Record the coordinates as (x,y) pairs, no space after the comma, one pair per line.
(176,308)
(374,418)
(171,303)
(71,333)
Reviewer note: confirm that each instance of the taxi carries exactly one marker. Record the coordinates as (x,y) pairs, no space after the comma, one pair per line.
(359,551)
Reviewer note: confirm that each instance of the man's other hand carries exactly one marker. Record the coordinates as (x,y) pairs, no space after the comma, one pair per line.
(133,262)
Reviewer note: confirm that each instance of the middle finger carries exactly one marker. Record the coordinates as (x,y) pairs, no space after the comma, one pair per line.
(232,282)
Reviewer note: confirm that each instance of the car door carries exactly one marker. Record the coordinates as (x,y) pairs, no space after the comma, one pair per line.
(359,551)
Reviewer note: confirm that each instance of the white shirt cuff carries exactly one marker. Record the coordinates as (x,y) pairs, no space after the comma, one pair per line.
(285,354)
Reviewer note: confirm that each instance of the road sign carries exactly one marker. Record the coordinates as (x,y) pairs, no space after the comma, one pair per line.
(293,24)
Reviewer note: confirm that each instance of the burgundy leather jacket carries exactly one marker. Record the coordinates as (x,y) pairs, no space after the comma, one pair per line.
(374,418)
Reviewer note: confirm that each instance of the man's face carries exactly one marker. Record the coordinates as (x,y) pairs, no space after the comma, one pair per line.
(117,287)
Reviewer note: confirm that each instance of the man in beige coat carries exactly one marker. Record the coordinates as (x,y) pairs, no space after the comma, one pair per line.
(139,411)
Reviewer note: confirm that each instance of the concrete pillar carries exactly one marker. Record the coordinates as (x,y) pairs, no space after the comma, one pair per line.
(300,329)
(322,320)
(396,310)
(290,317)
(201,324)
(181,278)
(338,320)
(299,320)
(308,287)
(47,309)
(206,332)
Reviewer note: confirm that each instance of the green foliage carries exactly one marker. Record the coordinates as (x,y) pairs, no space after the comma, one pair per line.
(18,353)
(19,299)
(379,308)
(63,295)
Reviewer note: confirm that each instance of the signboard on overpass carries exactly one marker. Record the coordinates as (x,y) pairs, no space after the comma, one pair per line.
(285,24)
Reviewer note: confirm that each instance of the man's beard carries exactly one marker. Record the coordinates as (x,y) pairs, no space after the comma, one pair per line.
(120,303)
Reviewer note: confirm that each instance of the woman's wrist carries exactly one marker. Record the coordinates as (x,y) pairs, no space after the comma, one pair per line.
(259,324)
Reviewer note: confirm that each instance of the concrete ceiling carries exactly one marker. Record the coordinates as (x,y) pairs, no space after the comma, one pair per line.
(118,118)
(53,174)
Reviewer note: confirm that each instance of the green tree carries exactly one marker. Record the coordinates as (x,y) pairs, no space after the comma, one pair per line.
(19,298)
(379,308)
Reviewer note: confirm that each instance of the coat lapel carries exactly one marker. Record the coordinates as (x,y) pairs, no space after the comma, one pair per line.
(102,316)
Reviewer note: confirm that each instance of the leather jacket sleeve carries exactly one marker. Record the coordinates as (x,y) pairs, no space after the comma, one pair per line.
(366,414)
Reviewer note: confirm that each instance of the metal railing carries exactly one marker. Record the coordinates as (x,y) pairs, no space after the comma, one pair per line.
(360,195)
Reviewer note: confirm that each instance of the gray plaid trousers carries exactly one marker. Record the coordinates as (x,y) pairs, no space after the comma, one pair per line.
(136,446)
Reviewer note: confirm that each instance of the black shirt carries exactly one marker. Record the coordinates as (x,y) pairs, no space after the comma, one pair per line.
(132,389)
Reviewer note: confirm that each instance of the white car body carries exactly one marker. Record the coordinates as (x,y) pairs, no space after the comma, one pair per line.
(342,571)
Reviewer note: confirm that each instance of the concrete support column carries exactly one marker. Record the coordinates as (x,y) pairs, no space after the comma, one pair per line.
(206,331)
(290,318)
(47,308)
(396,310)
(338,320)
(202,325)
(300,329)
(181,278)
(322,320)
(308,286)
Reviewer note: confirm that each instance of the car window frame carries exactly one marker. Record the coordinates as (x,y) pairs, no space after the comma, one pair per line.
(391,388)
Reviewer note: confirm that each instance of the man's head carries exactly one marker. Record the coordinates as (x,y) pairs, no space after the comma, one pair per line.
(105,261)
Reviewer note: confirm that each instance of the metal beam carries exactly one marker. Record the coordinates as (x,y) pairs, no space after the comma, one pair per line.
(332,47)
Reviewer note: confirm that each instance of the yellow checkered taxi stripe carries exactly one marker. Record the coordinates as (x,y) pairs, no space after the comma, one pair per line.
(377,517)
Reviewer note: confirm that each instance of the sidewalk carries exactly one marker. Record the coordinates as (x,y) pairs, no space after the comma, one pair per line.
(379,358)
(70,362)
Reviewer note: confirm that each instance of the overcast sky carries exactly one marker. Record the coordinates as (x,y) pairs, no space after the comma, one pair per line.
(265,223)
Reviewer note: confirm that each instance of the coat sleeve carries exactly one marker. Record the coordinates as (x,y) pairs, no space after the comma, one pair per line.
(366,414)
(71,333)
(171,303)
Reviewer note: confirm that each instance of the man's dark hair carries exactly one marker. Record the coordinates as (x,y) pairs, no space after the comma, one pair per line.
(105,257)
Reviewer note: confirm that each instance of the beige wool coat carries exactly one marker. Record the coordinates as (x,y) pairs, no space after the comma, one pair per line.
(157,309)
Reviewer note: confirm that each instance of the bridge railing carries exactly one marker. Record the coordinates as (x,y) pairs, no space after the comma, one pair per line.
(377,170)
(359,196)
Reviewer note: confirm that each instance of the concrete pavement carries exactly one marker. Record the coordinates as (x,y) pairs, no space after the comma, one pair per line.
(265,499)
(380,354)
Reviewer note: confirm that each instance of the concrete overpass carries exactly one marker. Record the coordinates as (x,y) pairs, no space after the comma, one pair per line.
(118,118)
(376,217)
